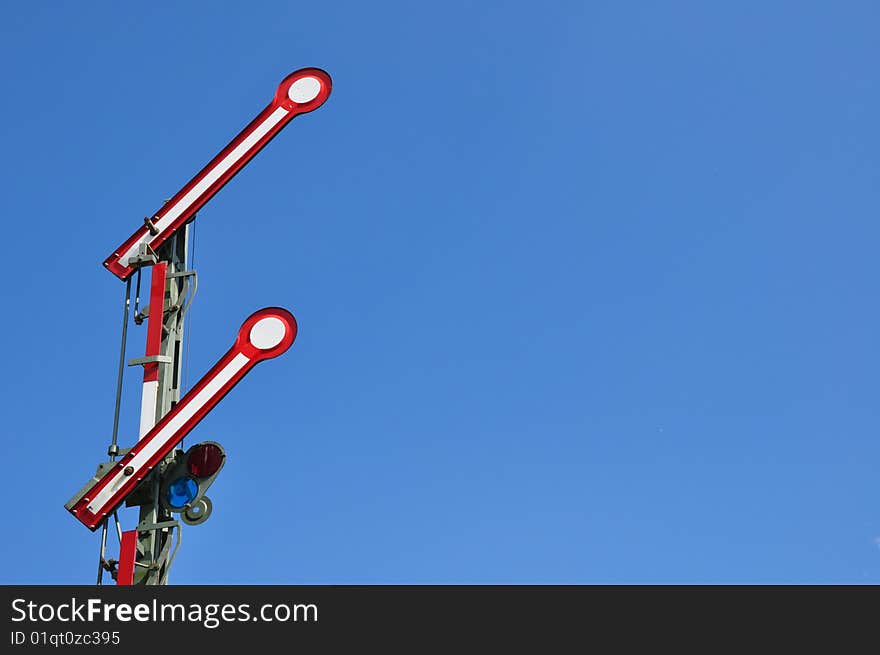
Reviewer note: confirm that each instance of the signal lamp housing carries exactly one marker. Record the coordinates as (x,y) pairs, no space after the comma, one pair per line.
(188,477)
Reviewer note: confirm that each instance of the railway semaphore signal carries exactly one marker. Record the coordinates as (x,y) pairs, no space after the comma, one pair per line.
(154,474)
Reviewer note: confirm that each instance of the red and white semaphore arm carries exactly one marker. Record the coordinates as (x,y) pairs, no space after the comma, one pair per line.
(301,92)
(265,334)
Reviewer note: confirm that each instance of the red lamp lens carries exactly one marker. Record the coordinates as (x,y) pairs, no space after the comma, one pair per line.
(205,460)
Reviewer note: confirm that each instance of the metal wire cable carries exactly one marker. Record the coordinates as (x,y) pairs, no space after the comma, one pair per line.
(113,448)
(186,337)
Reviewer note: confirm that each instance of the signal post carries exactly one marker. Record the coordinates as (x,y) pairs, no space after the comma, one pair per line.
(172,289)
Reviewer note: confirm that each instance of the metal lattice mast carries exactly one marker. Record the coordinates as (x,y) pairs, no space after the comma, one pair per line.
(155,524)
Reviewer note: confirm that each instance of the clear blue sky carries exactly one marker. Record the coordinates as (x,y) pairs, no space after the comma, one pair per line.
(587,291)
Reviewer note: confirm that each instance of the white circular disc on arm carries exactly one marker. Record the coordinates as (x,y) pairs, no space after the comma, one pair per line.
(304,90)
(268,332)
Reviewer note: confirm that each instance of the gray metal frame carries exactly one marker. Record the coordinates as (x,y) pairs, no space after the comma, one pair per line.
(156,525)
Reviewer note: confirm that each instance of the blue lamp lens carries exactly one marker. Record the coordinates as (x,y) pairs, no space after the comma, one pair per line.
(181,492)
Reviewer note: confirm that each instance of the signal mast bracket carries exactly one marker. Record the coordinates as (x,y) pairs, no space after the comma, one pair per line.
(145,256)
(151,359)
